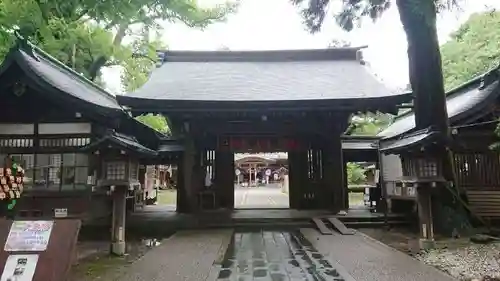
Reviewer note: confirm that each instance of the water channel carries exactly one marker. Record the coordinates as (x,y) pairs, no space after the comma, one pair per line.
(275,255)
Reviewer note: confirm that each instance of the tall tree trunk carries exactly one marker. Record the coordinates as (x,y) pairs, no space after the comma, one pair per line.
(419,22)
(96,66)
(426,78)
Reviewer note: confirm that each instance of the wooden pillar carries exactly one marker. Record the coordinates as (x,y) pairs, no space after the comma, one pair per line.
(345,188)
(182,201)
(334,171)
(297,178)
(118,221)
(187,183)
(425,217)
(224,178)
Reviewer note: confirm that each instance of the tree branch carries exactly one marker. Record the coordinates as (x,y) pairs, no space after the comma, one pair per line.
(96,66)
(43,11)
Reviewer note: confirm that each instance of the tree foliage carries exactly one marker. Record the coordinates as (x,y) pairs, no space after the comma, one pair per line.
(418,18)
(339,43)
(355,173)
(369,124)
(88,35)
(472,49)
(155,121)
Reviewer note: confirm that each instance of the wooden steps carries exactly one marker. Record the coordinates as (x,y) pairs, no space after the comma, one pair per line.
(322,228)
(340,227)
(332,224)
(485,203)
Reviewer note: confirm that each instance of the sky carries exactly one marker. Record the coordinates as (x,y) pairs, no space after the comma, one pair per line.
(276,24)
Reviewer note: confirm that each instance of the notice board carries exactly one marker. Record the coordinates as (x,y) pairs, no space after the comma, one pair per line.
(37,250)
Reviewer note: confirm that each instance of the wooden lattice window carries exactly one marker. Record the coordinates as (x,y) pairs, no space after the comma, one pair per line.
(420,167)
(314,164)
(134,170)
(116,170)
(64,142)
(17,142)
(478,170)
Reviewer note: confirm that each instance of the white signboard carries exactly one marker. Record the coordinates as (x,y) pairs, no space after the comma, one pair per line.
(28,236)
(268,172)
(237,172)
(411,191)
(60,212)
(19,268)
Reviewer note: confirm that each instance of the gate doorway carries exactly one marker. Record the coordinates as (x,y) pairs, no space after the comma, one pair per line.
(261,181)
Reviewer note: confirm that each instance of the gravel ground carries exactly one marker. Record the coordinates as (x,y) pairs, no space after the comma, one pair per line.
(459,258)
(466,262)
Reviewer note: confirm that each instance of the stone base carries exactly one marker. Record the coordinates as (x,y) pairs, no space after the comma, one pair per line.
(426,244)
(118,248)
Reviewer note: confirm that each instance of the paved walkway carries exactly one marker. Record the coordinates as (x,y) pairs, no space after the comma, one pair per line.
(273,255)
(186,256)
(269,196)
(369,260)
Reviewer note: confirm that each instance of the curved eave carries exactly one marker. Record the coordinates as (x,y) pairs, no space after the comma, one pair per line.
(114,141)
(385,103)
(412,142)
(474,103)
(20,58)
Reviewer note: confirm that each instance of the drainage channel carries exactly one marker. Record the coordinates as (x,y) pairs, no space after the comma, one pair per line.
(276,255)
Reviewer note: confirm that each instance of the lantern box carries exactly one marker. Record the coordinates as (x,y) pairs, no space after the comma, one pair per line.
(421,168)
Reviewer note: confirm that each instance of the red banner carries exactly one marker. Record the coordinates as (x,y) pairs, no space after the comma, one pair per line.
(259,144)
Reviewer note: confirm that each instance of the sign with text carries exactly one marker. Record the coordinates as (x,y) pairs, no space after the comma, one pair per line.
(28,236)
(19,268)
(60,212)
(258,144)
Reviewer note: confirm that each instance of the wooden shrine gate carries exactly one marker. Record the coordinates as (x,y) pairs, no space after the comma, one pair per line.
(255,101)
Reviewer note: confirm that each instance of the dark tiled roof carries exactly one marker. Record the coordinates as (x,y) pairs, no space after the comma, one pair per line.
(462,102)
(121,140)
(261,76)
(409,142)
(45,69)
(170,147)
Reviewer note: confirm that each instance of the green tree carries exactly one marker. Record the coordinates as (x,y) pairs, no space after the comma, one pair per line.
(369,124)
(355,173)
(339,43)
(418,18)
(472,49)
(155,121)
(88,35)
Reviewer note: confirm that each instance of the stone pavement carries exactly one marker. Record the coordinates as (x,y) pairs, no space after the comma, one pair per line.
(269,196)
(367,259)
(186,256)
(273,255)
(276,255)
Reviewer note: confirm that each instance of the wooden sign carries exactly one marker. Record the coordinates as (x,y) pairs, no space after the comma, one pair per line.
(258,144)
(37,250)
(28,236)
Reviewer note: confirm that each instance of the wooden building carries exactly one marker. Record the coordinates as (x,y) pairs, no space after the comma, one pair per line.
(252,167)
(225,102)
(70,136)
(473,111)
